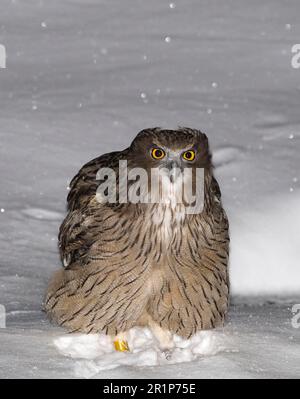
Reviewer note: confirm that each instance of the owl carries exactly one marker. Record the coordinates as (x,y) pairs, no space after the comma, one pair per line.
(137,263)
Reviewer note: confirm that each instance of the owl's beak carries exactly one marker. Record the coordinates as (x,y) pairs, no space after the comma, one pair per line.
(175,170)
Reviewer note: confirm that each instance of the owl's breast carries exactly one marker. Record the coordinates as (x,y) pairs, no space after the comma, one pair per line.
(166,222)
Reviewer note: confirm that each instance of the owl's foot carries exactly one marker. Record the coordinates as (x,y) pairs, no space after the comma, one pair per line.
(168,353)
(121,344)
(164,338)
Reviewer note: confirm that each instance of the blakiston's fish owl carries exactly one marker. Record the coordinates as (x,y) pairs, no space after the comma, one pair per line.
(143,264)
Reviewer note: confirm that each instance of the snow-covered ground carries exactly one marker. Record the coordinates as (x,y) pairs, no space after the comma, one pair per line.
(257,342)
(82,78)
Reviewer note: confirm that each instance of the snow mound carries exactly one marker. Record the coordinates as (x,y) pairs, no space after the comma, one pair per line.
(265,249)
(226,155)
(95,352)
(38,213)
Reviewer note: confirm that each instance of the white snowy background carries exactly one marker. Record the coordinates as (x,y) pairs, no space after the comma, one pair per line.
(82,78)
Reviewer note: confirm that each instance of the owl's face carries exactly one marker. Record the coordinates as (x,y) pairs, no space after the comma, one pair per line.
(182,148)
(176,162)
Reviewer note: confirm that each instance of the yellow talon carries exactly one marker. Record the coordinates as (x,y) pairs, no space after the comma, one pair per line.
(121,345)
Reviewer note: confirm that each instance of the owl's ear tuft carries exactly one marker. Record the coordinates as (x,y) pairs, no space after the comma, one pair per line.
(205,138)
(144,134)
(147,132)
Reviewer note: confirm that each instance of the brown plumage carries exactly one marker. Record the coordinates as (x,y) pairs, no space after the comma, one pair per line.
(132,265)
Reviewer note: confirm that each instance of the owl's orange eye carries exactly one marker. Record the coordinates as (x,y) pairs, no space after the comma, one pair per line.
(189,155)
(157,153)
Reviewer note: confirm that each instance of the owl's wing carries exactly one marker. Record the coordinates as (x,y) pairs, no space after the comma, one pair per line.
(84,184)
(76,234)
(216,188)
(219,210)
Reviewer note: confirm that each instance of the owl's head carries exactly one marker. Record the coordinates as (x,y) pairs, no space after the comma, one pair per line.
(161,148)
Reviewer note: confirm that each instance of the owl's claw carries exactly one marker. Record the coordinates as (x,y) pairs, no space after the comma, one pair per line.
(168,354)
(121,345)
